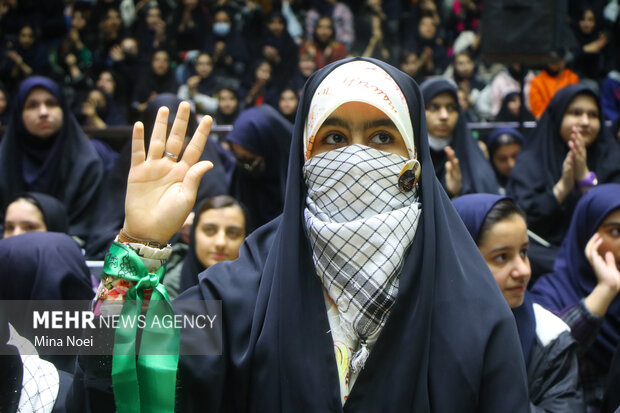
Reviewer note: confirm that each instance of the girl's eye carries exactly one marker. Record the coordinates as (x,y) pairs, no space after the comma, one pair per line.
(382,138)
(523,253)
(334,139)
(234,233)
(615,232)
(209,230)
(500,258)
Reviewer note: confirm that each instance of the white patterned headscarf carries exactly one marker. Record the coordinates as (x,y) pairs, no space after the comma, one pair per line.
(359,223)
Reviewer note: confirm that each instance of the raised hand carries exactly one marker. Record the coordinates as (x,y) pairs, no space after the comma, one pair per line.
(161,191)
(607,275)
(454,179)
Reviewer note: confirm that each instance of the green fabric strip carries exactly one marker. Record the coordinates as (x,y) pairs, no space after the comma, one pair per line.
(145,383)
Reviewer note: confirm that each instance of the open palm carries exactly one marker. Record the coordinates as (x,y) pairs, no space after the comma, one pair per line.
(161,191)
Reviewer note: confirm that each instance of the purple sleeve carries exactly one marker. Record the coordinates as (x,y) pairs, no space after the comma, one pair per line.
(583,324)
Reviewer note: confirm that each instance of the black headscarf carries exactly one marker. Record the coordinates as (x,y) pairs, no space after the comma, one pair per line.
(539,167)
(111,209)
(53,211)
(476,171)
(43,266)
(494,142)
(450,342)
(263,131)
(65,166)
(192,266)
(504,114)
(573,277)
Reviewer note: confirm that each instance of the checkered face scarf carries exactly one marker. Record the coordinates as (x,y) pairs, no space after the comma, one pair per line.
(360,225)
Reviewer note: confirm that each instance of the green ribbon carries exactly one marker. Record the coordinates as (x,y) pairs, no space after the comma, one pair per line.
(145,383)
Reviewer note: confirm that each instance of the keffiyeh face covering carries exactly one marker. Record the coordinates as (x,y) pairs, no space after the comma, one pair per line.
(359,223)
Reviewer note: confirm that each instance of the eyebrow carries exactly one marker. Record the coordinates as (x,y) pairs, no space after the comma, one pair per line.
(495,250)
(215,224)
(610,224)
(377,123)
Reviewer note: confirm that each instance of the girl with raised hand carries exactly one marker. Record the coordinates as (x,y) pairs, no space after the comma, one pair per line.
(344,298)
(460,165)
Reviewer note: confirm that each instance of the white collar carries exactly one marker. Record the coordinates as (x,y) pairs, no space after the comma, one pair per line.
(438,144)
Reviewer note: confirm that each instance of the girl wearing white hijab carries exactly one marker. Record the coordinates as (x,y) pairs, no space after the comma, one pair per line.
(367,294)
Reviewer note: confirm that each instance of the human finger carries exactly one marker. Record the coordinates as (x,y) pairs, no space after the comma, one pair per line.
(137,144)
(174,144)
(610,260)
(193,177)
(449,153)
(588,250)
(196,145)
(158,137)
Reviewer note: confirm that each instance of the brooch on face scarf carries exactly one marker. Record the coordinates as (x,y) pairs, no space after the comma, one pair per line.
(409,175)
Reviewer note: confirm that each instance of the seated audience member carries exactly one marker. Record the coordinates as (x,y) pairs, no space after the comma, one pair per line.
(278,48)
(410,64)
(511,109)
(112,87)
(503,145)
(216,234)
(96,114)
(552,78)
(45,150)
(592,50)
(372,36)
(199,89)
(25,56)
(584,285)
(465,74)
(98,111)
(227,107)
(159,79)
(508,80)
(287,105)
(460,165)
(34,212)
(257,87)
(569,152)
(260,141)
(498,227)
(339,13)
(189,20)
(152,32)
(324,48)
(227,47)
(305,67)
(429,47)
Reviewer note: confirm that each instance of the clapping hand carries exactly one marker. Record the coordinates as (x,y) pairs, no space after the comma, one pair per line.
(577,146)
(161,190)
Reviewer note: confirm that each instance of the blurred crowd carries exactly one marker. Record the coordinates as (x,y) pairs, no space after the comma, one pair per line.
(112,57)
